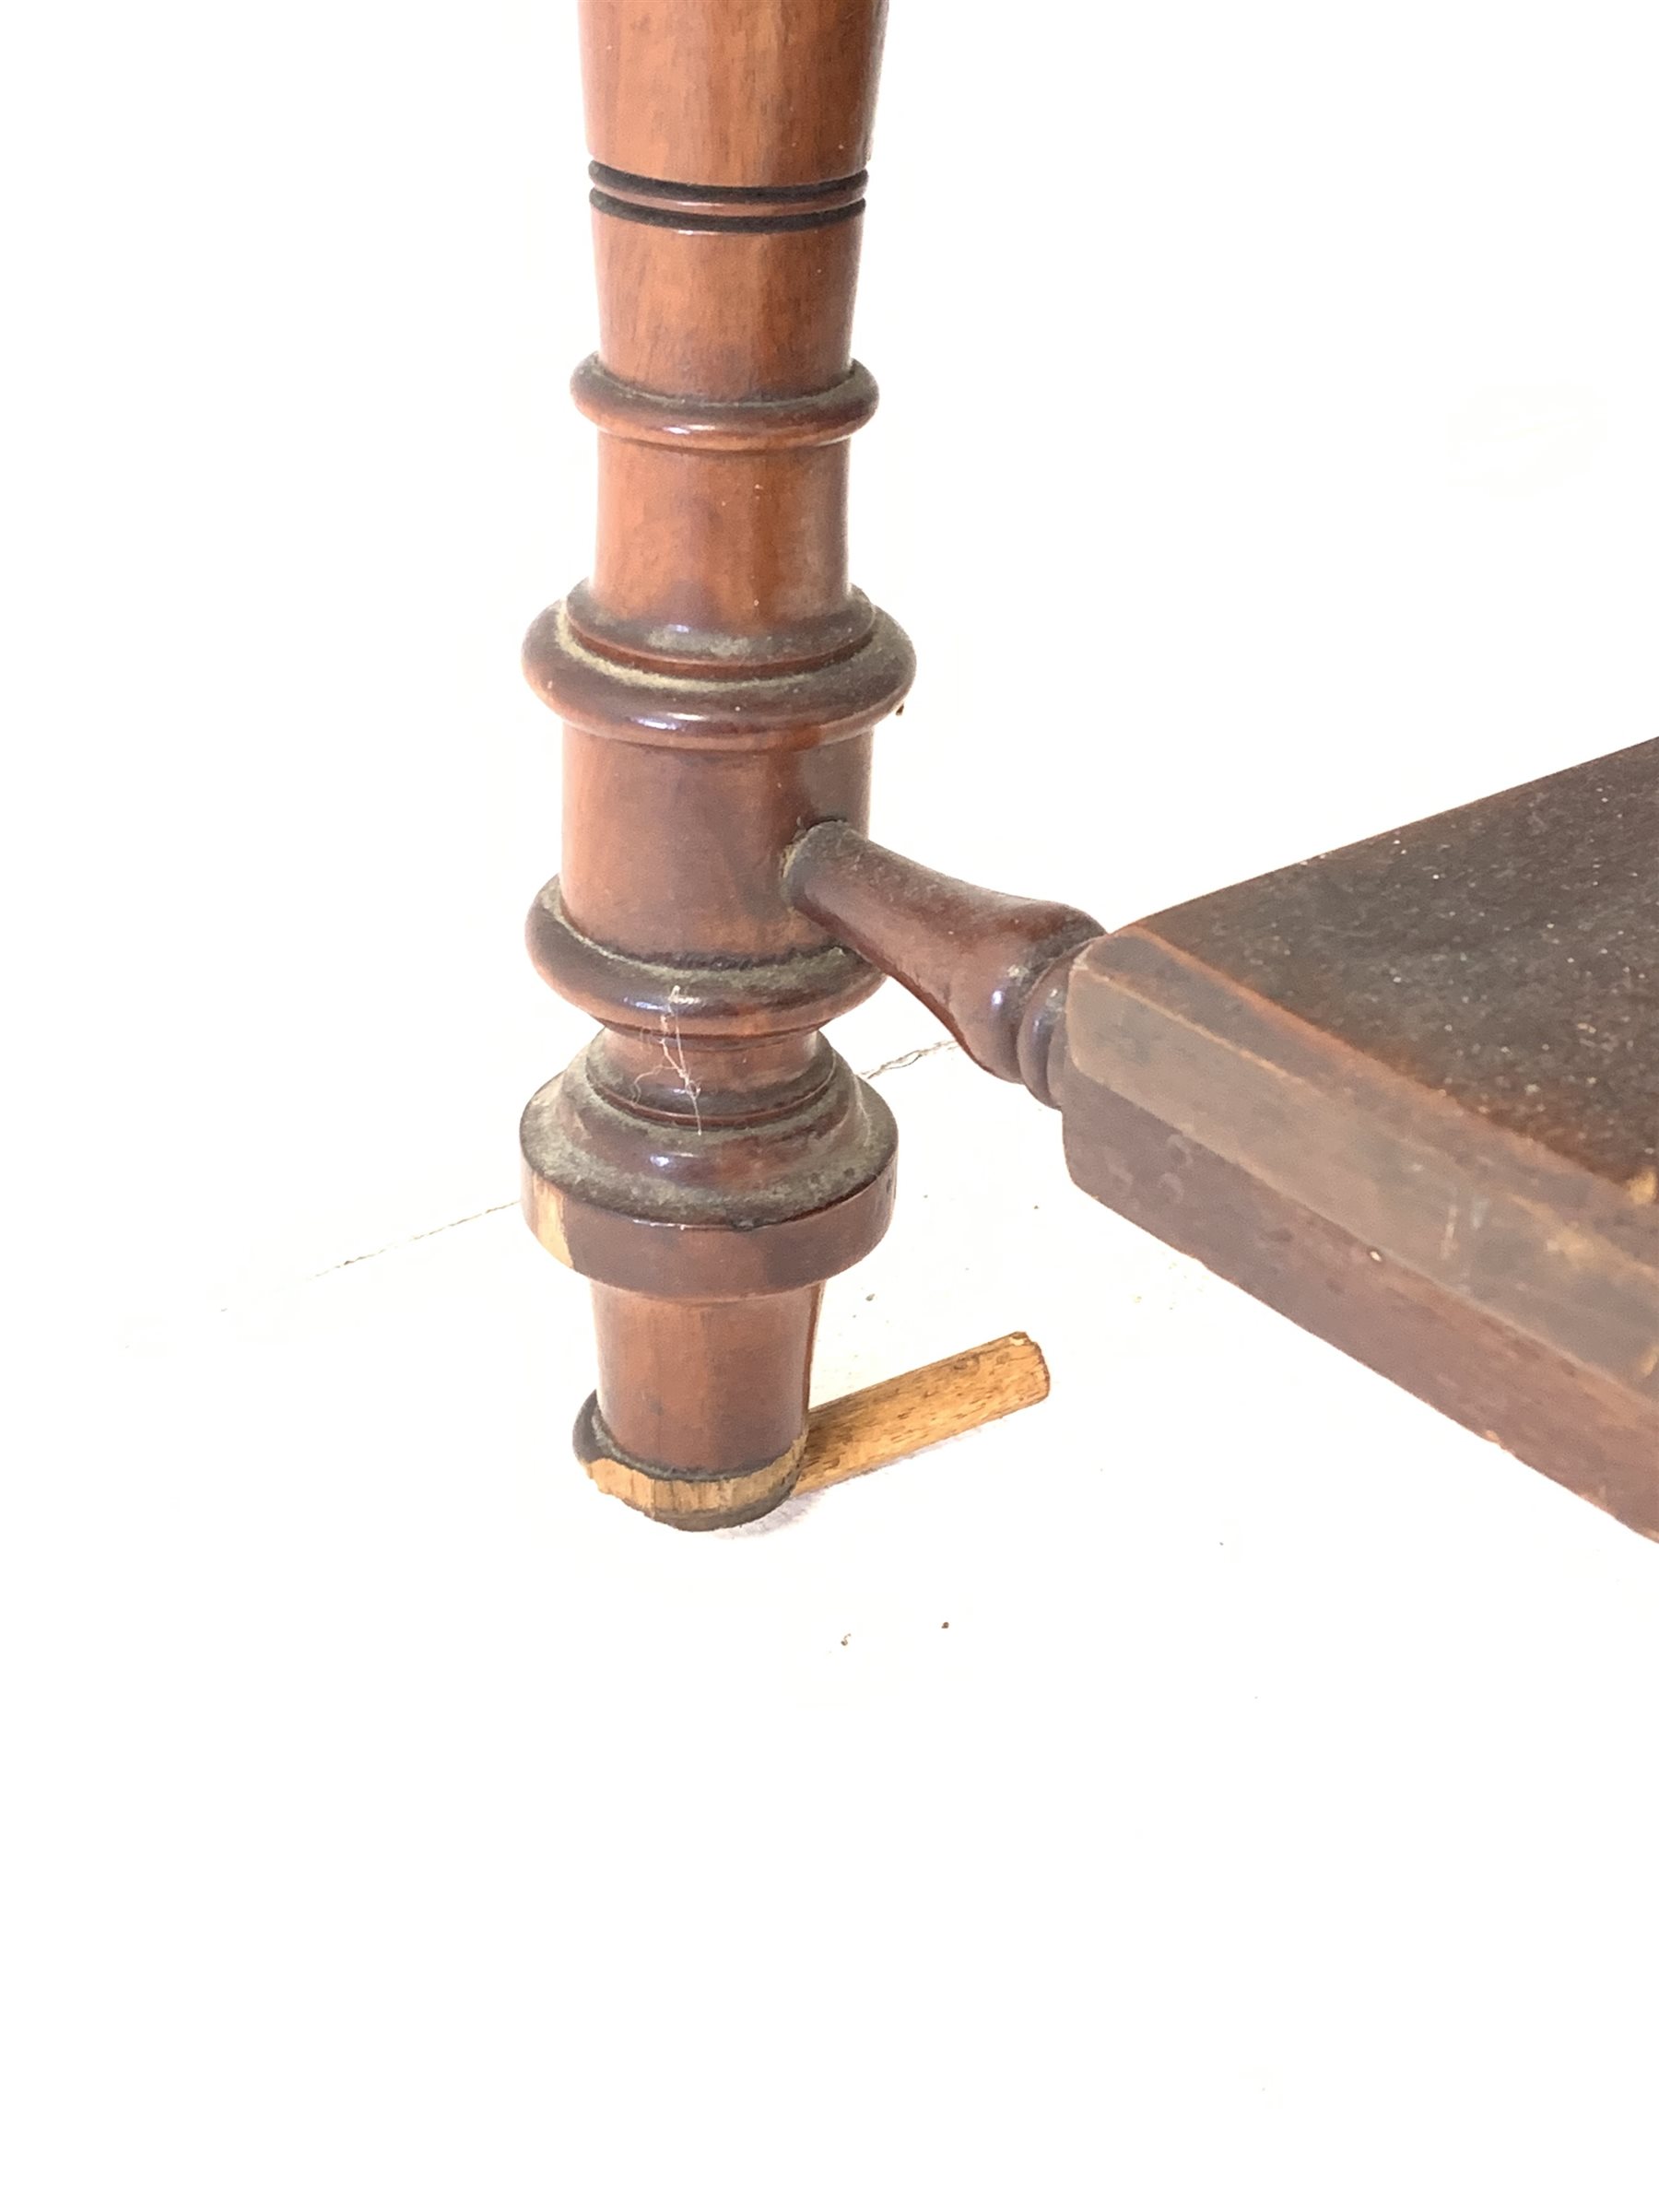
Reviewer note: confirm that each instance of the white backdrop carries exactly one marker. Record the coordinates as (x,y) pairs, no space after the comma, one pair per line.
(1269,453)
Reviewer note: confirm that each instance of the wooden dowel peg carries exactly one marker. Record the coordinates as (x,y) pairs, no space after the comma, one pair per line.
(871,1429)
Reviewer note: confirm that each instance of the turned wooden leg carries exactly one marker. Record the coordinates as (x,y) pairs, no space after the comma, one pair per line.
(709,1162)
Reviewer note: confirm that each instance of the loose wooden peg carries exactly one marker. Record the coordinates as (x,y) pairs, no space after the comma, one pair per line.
(871,1429)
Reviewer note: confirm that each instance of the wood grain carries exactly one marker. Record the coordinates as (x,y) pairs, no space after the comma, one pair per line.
(871,1429)
(1407,1093)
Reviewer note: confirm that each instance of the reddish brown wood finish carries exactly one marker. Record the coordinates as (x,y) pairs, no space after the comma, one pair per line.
(994,968)
(1408,1094)
(754,93)
(710,1162)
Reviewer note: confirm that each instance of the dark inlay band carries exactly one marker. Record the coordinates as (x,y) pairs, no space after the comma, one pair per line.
(726,207)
